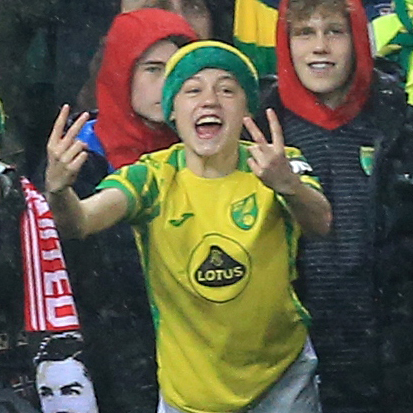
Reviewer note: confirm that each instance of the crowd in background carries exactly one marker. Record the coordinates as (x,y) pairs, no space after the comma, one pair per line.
(53,53)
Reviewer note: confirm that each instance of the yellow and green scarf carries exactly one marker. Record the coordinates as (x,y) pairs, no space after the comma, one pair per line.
(254,32)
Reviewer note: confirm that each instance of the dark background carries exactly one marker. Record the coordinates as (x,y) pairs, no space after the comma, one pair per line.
(45,50)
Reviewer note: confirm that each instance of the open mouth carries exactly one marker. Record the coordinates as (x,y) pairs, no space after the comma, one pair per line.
(321,65)
(208,126)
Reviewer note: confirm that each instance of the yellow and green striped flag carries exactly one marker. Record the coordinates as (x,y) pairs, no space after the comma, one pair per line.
(254,32)
(393,39)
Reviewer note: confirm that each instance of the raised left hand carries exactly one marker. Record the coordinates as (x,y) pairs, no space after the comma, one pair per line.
(268,161)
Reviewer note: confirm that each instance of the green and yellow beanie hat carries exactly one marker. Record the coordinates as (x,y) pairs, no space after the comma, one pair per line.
(208,54)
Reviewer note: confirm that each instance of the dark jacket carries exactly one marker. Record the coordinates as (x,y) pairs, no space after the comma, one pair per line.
(16,347)
(392,253)
(364,338)
(110,295)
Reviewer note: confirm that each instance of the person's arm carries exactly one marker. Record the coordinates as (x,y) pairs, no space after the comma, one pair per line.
(269,162)
(76,218)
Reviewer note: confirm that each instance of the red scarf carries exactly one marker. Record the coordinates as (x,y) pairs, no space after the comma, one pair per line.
(48,299)
(124,135)
(304,103)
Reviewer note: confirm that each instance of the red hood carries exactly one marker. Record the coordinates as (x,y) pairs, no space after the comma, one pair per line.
(304,103)
(124,135)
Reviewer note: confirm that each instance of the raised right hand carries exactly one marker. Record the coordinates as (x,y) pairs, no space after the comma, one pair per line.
(65,153)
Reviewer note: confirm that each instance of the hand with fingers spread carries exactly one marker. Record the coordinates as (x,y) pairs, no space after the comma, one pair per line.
(270,164)
(65,154)
(268,160)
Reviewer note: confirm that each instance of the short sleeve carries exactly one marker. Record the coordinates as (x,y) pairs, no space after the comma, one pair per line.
(133,181)
(300,166)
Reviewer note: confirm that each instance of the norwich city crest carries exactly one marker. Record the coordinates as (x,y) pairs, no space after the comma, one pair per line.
(367,159)
(244,212)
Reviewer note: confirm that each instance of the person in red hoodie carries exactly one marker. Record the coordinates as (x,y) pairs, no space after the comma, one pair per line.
(196,12)
(129,83)
(353,125)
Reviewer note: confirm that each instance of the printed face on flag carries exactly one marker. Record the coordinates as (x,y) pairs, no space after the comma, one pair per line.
(64,386)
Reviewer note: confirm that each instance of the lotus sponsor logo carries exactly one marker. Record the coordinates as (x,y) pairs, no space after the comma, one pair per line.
(219,268)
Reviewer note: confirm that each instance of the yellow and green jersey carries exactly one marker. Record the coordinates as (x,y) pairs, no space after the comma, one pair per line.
(219,257)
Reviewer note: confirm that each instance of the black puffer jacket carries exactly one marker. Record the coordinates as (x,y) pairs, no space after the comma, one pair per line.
(383,365)
(392,255)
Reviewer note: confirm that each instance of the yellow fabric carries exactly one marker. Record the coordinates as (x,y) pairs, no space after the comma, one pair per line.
(255,22)
(385,28)
(217,254)
(183,51)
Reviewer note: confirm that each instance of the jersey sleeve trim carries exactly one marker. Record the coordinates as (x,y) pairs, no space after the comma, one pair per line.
(300,166)
(298,162)
(131,180)
(177,158)
(114,181)
(292,234)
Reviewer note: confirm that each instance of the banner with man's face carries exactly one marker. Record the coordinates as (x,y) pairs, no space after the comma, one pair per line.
(63,382)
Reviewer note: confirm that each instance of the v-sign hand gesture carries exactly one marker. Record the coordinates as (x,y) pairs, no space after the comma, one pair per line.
(268,160)
(65,154)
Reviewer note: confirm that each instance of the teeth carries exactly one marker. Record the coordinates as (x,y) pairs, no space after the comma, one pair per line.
(209,119)
(320,65)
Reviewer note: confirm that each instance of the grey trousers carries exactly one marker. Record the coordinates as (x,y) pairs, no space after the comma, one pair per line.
(295,392)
